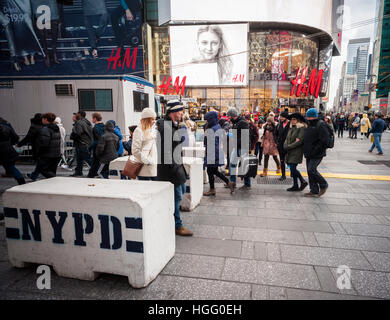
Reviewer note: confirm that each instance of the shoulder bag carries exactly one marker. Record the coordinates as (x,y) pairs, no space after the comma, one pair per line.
(132,168)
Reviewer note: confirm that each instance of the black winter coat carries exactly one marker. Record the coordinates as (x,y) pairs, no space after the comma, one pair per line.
(108,145)
(82,133)
(315,139)
(240,124)
(281,135)
(171,170)
(8,138)
(49,141)
(32,137)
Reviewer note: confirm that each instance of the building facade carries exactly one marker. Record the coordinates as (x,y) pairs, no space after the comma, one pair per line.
(283,48)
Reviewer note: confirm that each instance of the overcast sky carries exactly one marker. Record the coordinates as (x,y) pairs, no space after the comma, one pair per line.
(357,10)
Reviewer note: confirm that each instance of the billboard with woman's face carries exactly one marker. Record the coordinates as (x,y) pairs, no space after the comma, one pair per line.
(66,37)
(210,55)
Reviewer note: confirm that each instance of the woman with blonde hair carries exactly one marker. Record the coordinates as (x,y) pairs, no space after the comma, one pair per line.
(144,149)
(269,146)
(190,134)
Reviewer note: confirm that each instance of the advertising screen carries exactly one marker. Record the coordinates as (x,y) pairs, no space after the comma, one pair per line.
(70,37)
(210,55)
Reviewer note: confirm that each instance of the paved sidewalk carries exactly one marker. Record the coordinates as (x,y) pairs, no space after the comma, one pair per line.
(260,244)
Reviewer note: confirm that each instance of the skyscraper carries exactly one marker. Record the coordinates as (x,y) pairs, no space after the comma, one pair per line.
(361,67)
(353,46)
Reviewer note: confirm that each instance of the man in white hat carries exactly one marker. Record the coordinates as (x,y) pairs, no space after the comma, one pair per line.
(170,167)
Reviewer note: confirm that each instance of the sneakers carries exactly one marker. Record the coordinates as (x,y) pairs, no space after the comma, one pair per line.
(370,151)
(184,232)
(66,167)
(293,189)
(322,191)
(282,178)
(211,192)
(380,153)
(245,188)
(309,194)
(232,186)
(303,186)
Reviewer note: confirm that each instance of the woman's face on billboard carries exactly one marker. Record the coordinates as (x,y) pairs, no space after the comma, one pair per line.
(209,44)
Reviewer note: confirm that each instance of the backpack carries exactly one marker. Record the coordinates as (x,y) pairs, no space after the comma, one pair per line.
(330,142)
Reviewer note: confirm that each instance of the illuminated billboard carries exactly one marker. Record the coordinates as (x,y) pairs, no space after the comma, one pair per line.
(210,55)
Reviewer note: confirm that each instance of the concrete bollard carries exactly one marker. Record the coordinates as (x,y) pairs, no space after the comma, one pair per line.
(197,152)
(83,227)
(116,168)
(194,185)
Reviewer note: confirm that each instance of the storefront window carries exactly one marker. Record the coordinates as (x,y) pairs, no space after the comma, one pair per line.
(213,93)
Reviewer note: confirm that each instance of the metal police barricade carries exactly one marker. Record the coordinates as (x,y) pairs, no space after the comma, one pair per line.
(83,227)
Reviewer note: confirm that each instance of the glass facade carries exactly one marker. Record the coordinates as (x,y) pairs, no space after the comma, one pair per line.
(274,59)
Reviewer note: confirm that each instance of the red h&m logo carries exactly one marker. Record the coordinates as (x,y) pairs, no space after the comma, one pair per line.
(312,87)
(166,87)
(127,60)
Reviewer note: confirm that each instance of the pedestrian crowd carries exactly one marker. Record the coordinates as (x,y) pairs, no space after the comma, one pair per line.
(154,145)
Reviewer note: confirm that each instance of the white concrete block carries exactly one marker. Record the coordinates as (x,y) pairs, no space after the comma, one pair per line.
(194,168)
(86,226)
(198,152)
(117,166)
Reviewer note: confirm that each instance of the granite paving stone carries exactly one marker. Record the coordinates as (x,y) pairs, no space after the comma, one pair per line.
(277,293)
(260,251)
(327,281)
(270,273)
(310,239)
(353,242)
(370,283)
(299,294)
(324,257)
(273,252)
(169,287)
(367,230)
(248,250)
(263,235)
(196,266)
(298,225)
(211,247)
(211,232)
(379,260)
(346,217)
(259,292)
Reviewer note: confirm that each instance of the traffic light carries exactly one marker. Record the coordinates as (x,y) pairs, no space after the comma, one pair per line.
(376,87)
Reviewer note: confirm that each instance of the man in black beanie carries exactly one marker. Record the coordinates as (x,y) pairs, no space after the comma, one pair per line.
(170,165)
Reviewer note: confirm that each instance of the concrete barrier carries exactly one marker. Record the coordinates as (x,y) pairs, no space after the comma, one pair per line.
(194,185)
(116,168)
(83,227)
(197,152)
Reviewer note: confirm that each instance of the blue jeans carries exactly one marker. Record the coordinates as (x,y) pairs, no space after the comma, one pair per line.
(179,191)
(259,151)
(295,174)
(82,154)
(13,170)
(377,142)
(35,173)
(92,32)
(147,178)
(233,168)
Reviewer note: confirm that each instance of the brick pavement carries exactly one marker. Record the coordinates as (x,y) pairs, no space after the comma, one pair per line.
(261,244)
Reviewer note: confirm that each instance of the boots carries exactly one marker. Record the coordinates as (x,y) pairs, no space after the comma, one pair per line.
(279,168)
(211,192)
(21,181)
(264,174)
